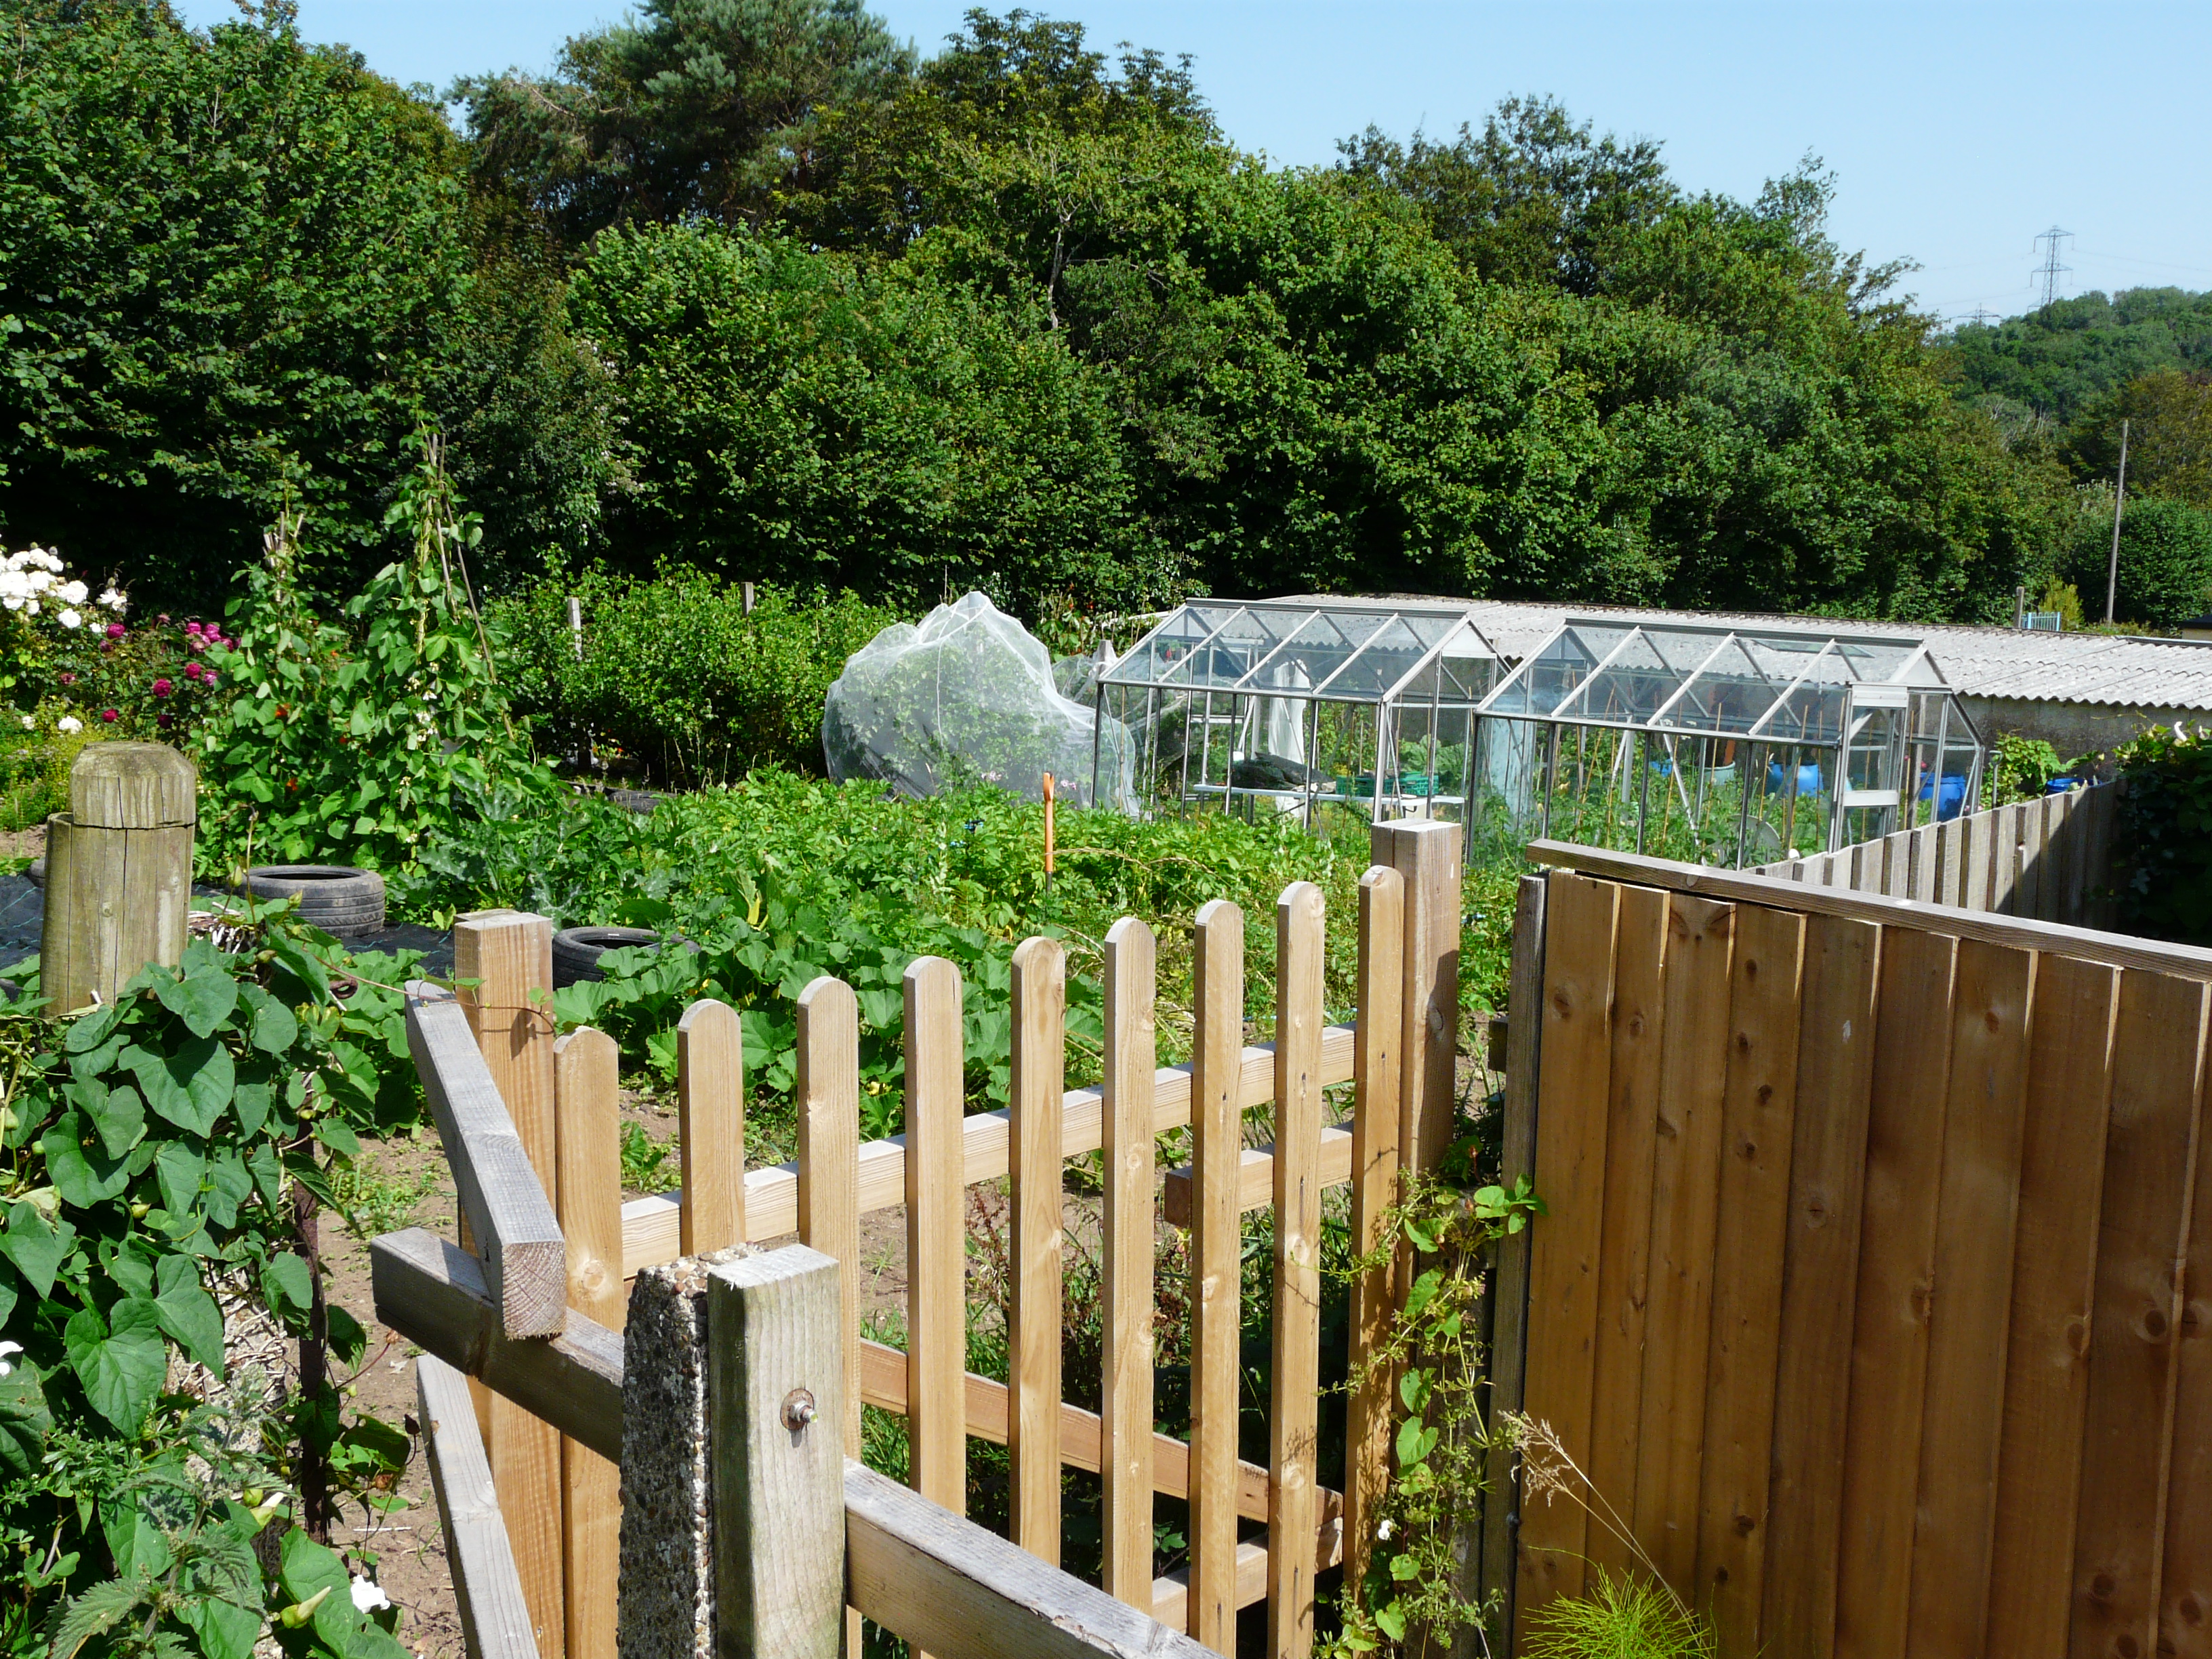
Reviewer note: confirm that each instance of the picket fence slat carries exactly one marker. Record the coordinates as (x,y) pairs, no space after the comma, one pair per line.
(936,1236)
(1128,1246)
(2186,1581)
(2069,1098)
(1216,1263)
(587,1102)
(1293,1510)
(710,1115)
(1036,1081)
(1374,1187)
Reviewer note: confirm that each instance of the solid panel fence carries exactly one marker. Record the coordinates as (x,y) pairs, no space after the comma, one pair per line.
(1874,1300)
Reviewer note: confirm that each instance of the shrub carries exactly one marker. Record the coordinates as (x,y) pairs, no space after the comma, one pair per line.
(671,680)
(2166,559)
(2162,847)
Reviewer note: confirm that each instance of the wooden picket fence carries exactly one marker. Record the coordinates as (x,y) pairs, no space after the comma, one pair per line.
(2049,857)
(561,1499)
(1875,1294)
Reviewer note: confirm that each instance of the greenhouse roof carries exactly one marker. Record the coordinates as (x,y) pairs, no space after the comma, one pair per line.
(1365,651)
(1789,685)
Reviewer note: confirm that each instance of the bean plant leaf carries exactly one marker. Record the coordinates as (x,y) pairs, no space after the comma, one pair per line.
(117,1114)
(36,1246)
(179,1170)
(90,1031)
(79,1167)
(250,1102)
(25,1422)
(1391,1619)
(1415,1441)
(274,1027)
(188,1313)
(285,1279)
(348,1338)
(225,1630)
(189,1086)
(204,999)
(302,966)
(122,1368)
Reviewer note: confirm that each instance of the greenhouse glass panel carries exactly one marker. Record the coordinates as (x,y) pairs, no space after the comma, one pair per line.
(1719,745)
(1333,711)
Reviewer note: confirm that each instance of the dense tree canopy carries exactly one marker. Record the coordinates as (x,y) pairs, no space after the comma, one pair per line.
(2051,362)
(745,284)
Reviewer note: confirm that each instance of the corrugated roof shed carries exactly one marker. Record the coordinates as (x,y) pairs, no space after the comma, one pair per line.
(2122,671)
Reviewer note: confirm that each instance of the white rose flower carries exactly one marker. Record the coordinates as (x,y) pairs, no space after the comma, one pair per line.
(13,601)
(72,619)
(31,606)
(115,599)
(68,723)
(75,593)
(30,722)
(46,556)
(368,1595)
(6,1349)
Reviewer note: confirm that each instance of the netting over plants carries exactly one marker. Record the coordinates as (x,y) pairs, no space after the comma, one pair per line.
(1721,745)
(967,698)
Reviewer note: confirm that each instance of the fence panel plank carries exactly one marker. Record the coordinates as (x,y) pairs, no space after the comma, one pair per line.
(509,956)
(2185,1586)
(1577,1047)
(710,1106)
(1897,1251)
(1685,1214)
(1426,853)
(1293,1509)
(494,1621)
(1631,1144)
(2097,856)
(1126,1404)
(1961,1426)
(1819,1281)
(1217,1272)
(2069,1084)
(1758,1119)
(2148,1145)
(1374,1187)
(2004,858)
(936,1236)
(1974,893)
(1517,1157)
(1037,1080)
(587,1098)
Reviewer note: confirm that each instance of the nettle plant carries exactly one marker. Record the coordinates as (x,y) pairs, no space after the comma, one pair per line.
(164,1157)
(1441,1451)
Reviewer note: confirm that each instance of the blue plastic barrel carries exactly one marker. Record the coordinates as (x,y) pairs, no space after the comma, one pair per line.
(1954,794)
(1809,779)
(2060,786)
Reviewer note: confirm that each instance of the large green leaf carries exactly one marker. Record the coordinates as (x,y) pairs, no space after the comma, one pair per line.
(189,1086)
(179,1170)
(249,1102)
(24,1419)
(285,1278)
(204,999)
(122,1368)
(188,1313)
(228,1187)
(80,1169)
(36,1246)
(225,1630)
(90,1031)
(274,1027)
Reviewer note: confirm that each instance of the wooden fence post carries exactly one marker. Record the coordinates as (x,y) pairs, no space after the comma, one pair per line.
(1217,1267)
(510,957)
(118,870)
(1374,1188)
(776,1383)
(1427,854)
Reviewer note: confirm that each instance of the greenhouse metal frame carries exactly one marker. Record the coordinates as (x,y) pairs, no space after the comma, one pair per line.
(1808,741)
(1366,708)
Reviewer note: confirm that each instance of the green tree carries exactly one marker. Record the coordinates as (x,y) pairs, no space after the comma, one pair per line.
(2166,559)
(696,107)
(2169,418)
(225,260)
(2041,368)
(798,418)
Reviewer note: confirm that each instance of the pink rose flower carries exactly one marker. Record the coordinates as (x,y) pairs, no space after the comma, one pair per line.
(109,715)
(115,630)
(193,671)
(163,687)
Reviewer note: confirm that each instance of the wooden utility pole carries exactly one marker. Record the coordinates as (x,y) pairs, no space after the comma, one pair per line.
(2119,505)
(118,870)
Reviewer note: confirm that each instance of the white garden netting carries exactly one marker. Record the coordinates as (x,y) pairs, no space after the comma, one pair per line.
(967,698)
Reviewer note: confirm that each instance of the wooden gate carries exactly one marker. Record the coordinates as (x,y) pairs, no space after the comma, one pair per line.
(1875,1294)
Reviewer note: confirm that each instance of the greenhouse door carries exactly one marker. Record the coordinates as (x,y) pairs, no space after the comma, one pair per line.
(1873,765)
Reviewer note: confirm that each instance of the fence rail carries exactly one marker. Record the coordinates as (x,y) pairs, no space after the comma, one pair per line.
(2048,859)
(1872,1294)
(562,1375)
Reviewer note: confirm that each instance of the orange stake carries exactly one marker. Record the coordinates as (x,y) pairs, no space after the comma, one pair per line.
(1047,826)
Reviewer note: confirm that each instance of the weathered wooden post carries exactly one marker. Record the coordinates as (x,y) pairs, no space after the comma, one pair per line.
(118,870)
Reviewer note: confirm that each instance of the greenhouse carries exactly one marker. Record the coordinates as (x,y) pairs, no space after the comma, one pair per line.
(1720,745)
(1320,708)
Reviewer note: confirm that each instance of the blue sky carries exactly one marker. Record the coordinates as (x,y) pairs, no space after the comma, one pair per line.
(1958,131)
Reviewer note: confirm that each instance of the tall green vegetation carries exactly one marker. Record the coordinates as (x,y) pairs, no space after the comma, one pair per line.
(745,285)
